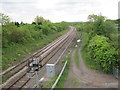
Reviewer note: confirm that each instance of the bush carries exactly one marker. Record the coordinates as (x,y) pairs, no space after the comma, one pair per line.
(45,29)
(11,34)
(102,53)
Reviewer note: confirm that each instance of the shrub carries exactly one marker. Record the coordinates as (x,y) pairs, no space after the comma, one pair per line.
(102,53)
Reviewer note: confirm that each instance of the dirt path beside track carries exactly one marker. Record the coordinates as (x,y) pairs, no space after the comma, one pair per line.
(82,77)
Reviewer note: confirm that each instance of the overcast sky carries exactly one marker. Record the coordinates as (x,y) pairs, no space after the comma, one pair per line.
(58,10)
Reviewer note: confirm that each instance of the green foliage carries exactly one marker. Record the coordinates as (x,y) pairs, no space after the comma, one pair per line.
(18,39)
(41,21)
(11,34)
(79,26)
(14,33)
(16,52)
(65,74)
(113,21)
(100,43)
(17,24)
(92,18)
(110,28)
(45,29)
(77,58)
(84,52)
(62,79)
(31,31)
(85,40)
(102,53)
(99,27)
(112,33)
(97,24)
(4,19)
(61,26)
(118,22)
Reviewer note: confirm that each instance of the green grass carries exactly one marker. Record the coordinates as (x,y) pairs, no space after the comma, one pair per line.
(63,78)
(84,53)
(49,83)
(87,61)
(0,80)
(76,52)
(76,57)
(17,52)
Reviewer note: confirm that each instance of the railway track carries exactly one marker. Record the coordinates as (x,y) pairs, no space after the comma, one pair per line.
(44,54)
(10,72)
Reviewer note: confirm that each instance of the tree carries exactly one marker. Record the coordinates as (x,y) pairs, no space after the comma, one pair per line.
(39,20)
(92,18)
(17,24)
(21,23)
(4,19)
(33,23)
(98,23)
(110,28)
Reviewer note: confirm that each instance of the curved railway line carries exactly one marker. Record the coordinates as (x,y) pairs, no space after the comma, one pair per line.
(44,55)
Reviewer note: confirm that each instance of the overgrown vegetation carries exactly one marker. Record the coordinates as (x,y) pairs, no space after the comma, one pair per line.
(65,74)
(50,82)
(61,82)
(21,39)
(77,58)
(102,53)
(100,43)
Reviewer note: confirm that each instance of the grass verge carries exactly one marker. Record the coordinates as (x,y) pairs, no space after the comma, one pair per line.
(49,83)
(76,57)
(63,78)
(84,53)
(17,52)
(60,84)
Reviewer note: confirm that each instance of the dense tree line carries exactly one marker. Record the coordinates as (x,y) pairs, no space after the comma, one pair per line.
(100,41)
(15,32)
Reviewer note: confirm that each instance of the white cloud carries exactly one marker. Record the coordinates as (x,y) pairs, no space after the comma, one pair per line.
(58,10)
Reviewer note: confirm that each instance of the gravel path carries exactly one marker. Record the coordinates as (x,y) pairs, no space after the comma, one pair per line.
(82,77)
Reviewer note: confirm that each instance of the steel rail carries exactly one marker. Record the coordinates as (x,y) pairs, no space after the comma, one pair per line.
(23,63)
(25,74)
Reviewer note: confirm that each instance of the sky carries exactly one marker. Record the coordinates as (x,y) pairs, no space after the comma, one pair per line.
(58,10)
